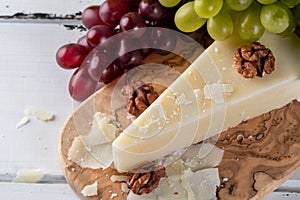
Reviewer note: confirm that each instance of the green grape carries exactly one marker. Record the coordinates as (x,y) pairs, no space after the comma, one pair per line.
(292,23)
(220,27)
(266,2)
(187,20)
(296,12)
(290,3)
(169,3)
(274,18)
(249,26)
(208,8)
(238,5)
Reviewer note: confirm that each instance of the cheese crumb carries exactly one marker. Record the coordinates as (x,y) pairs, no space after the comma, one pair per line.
(216,91)
(28,176)
(124,188)
(113,195)
(40,114)
(116,178)
(90,190)
(225,179)
(22,122)
(216,50)
(198,94)
(181,99)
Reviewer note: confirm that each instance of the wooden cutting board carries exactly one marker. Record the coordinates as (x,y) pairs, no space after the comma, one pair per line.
(260,154)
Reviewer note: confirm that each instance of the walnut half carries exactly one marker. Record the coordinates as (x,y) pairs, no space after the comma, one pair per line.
(254,60)
(139,99)
(144,183)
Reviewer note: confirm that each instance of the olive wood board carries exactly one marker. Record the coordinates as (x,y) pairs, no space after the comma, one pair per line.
(259,154)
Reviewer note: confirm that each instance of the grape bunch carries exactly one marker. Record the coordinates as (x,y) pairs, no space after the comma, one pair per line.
(103,22)
(250,18)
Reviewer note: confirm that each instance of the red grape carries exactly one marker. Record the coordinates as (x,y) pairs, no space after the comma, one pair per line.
(163,41)
(83,41)
(152,10)
(81,86)
(146,52)
(129,53)
(145,43)
(131,59)
(133,21)
(98,63)
(90,17)
(134,3)
(110,73)
(71,55)
(98,34)
(111,11)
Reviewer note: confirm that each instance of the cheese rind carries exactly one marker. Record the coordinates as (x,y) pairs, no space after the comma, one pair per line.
(187,119)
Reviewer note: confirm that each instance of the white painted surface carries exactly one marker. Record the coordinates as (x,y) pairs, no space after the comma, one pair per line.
(283,196)
(17,191)
(30,76)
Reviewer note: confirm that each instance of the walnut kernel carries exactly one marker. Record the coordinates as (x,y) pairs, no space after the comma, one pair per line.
(254,60)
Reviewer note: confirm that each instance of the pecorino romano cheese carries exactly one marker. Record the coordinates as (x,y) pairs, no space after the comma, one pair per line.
(208,98)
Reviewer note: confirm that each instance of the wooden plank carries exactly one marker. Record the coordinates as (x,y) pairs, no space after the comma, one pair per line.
(17,191)
(283,196)
(10,7)
(47,178)
(29,76)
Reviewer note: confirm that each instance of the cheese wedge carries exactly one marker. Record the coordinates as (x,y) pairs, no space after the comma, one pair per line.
(208,98)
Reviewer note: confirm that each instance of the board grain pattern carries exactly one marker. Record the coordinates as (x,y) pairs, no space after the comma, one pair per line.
(260,154)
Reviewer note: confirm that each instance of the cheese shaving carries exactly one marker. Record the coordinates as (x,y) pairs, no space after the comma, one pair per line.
(22,122)
(28,176)
(90,190)
(39,114)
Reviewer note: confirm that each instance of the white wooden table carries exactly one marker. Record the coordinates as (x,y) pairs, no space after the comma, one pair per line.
(29,76)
